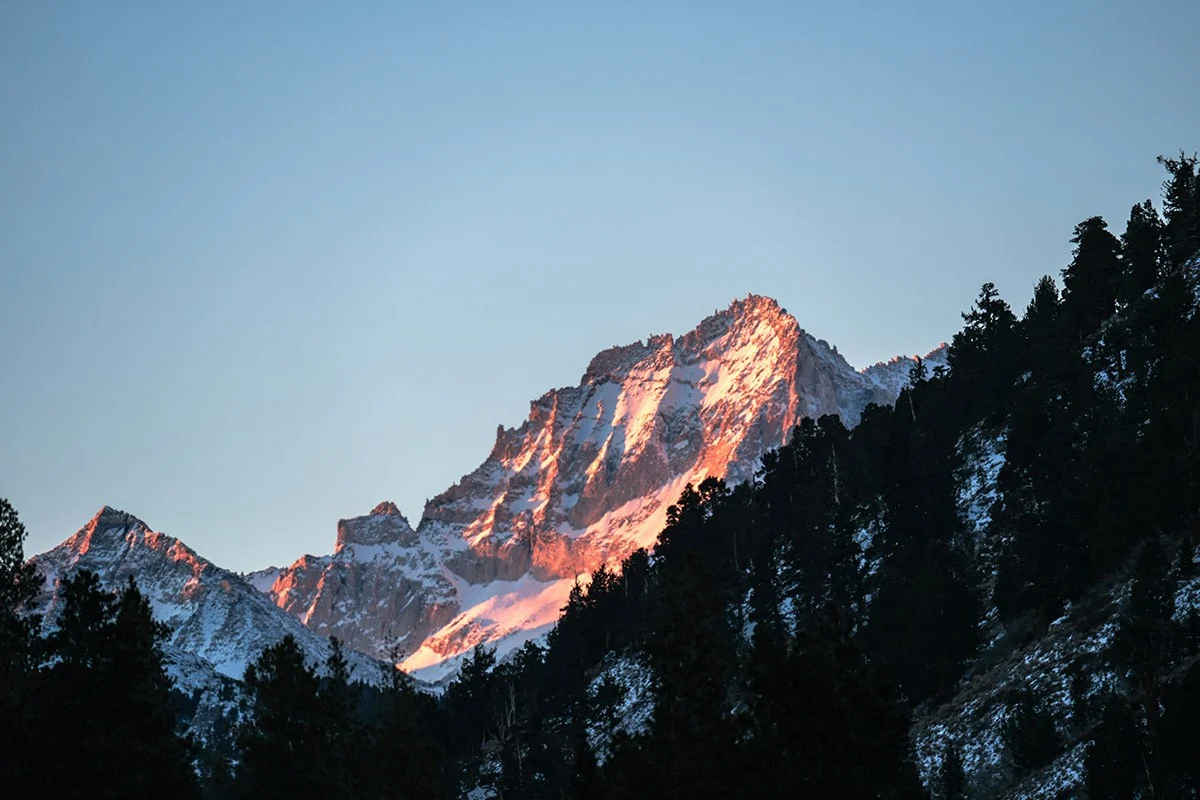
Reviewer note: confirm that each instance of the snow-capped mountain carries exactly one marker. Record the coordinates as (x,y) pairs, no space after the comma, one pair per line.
(585,480)
(218,621)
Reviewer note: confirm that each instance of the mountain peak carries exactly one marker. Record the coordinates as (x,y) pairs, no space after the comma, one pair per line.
(614,362)
(747,311)
(108,517)
(756,305)
(386,508)
(384,525)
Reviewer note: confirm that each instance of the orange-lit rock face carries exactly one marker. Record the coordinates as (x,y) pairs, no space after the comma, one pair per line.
(382,590)
(586,479)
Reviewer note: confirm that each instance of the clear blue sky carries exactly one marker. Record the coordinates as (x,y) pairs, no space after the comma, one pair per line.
(265,265)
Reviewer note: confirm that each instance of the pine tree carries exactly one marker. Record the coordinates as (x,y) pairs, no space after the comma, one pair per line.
(1029,734)
(1177,768)
(1148,638)
(343,767)
(922,621)
(823,723)
(1042,484)
(1143,253)
(106,698)
(406,753)
(1092,281)
(1115,760)
(951,780)
(983,356)
(159,759)
(18,651)
(1181,206)
(468,702)
(1041,328)
(286,746)
(693,658)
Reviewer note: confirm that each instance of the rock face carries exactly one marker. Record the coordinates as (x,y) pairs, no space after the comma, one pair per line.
(218,621)
(383,590)
(587,479)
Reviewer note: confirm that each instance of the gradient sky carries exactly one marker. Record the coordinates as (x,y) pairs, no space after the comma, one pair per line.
(266,265)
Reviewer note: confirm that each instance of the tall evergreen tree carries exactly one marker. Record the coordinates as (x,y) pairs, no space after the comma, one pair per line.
(1177,770)
(106,699)
(983,356)
(951,780)
(1041,485)
(1029,733)
(692,733)
(287,750)
(824,723)
(1181,205)
(1115,760)
(922,621)
(1143,251)
(18,651)
(1148,638)
(1092,281)
(406,755)
(1041,330)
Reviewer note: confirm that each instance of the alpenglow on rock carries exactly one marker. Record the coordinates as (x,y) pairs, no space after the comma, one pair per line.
(383,590)
(586,479)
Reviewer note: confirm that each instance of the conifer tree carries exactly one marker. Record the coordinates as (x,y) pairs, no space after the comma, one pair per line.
(405,750)
(983,356)
(1041,328)
(1029,733)
(1092,281)
(1181,206)
(285,750)
(1036,516)
(922,621)
(468,701)
(18,651)
(693,658)
(951,780)
(1115,760)
(1148,638)
(1177,770)
(1142,251)
(106,699)
(823,723)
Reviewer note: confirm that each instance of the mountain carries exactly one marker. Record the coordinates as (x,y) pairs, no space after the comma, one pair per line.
(218,622)
(585,480)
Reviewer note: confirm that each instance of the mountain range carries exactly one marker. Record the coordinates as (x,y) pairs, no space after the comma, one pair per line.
(585,480)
